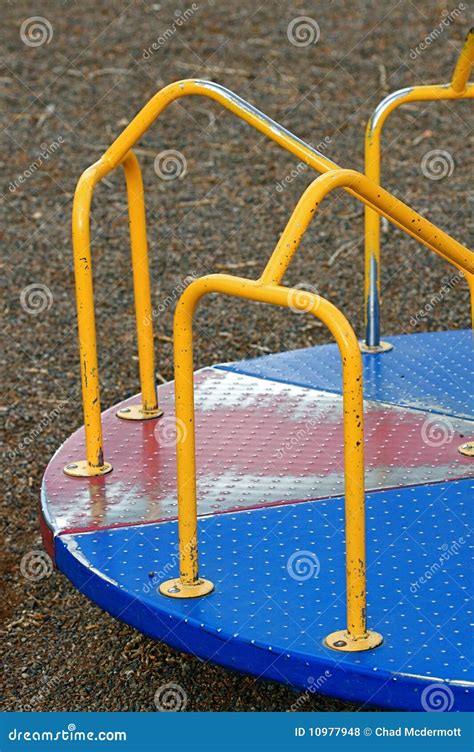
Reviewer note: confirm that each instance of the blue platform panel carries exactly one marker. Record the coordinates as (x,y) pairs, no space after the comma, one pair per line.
(280,589)
(431,371)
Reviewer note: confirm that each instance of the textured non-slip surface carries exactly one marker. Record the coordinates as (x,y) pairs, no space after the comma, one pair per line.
(431,371)
(279,576)
(224,213)
(258,442)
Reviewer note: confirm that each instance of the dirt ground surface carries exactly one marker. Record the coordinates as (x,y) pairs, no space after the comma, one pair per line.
(68,89)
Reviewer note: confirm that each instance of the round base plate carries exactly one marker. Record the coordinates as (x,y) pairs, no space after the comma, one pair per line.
(136,412)
(175,588)
(380,348)
(467,449)
(343,642)
(82,469)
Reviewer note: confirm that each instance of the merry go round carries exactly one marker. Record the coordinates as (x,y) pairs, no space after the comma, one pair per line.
(303,516)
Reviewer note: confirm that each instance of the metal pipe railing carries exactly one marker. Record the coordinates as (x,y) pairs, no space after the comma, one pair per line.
(458,88)
(142,294)
(463,68)
(383,202)
(94,463)
(189,584)
(267,289)
(118,154)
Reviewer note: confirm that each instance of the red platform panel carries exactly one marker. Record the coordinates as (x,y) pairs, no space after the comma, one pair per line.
(258,443)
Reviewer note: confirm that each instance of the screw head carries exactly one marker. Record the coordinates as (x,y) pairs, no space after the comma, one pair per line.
(340,644)
(71,467)
(467,449)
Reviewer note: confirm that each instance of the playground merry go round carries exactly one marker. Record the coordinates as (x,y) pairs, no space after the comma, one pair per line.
(303,516)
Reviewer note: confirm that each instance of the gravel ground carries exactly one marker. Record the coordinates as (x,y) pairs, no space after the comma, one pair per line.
(68,98)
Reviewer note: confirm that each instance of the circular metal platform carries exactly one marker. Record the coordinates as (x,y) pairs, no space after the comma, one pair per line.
(271,528)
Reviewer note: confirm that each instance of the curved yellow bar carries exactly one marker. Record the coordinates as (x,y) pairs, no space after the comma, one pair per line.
(86,320)
(457,89)
(239,107)
(464,64)
(353,435)
(119,153)
(382,202)
(95,464)
(141,285)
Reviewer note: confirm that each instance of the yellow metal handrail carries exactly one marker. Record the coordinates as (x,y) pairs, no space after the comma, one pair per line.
(458,88)
(189,584)
(267,289)
(120,153)
(384,203)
